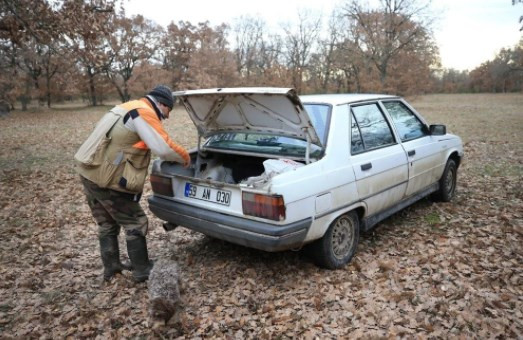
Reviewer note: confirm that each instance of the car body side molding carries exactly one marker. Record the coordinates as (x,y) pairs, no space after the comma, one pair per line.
(369,222)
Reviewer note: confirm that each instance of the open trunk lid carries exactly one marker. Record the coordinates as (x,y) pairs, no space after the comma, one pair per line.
(275,111)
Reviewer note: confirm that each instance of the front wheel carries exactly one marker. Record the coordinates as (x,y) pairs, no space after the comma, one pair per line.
(447,183)
(336,248)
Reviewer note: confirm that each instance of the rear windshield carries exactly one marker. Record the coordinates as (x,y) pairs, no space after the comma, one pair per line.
(277,145)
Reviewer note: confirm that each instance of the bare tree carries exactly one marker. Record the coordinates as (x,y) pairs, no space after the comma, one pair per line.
(198,56)
(88,27)
(9,82)
(271,52)
(328,50)
(21,19)
(248,37)
(352,63)
(43,33)
(502,74)
(299,43)
(26,29)
(384,32)
(55,60)
(134,40)
(212,64)
(178,45)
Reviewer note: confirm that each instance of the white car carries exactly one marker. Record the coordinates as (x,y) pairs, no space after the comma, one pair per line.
(275,171)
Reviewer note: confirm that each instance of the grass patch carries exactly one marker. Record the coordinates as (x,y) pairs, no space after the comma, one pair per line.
(502,170)
(432,218)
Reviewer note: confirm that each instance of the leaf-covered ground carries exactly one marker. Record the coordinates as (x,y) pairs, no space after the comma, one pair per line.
(433,270)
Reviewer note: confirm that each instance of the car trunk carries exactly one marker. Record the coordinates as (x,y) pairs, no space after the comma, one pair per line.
(218,179)
(217,167)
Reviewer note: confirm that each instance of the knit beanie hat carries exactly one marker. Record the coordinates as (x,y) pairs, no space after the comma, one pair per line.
(163,94)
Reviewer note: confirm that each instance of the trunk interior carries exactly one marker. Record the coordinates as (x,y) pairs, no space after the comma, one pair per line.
(218,167)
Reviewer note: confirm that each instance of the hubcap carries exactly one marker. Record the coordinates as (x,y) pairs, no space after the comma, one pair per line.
(342,237)
(449,182)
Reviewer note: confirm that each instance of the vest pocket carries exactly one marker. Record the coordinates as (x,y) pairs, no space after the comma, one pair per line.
(104,174)
(133,177)
(93,150)
(92,155)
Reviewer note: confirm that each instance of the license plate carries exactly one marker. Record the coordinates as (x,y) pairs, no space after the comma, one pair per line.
(209,194)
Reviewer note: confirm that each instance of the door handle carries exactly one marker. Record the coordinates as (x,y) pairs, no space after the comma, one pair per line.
(366,166)
(411,153)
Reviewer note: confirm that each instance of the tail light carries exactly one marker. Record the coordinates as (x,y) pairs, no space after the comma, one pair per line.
(264,206)
(162,185)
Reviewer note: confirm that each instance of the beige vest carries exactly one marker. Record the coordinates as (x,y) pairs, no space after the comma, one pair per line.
(113,162)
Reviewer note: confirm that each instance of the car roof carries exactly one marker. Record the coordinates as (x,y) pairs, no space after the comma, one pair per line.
(346,98)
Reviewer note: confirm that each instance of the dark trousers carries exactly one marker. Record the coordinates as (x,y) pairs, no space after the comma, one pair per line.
(113,209)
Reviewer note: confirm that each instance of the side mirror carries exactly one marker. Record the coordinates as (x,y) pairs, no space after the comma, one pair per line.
(438,130)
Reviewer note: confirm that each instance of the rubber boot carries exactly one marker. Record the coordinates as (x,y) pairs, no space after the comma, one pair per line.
(111,257)
(137,250)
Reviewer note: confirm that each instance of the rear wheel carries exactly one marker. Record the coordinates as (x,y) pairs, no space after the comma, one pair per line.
(447,182)
(338,245)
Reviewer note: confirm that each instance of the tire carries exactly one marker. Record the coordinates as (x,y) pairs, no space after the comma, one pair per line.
(336,248)
(447,183)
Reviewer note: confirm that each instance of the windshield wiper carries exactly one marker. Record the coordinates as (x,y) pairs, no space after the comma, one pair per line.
(267,143)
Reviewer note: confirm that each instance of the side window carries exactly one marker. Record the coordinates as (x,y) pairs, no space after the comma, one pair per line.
(408,125)
(370,130)
(319,115)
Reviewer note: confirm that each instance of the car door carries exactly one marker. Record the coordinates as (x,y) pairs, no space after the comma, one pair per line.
(378,160)
(421,148)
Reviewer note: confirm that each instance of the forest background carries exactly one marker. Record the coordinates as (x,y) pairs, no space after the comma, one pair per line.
(446,270)
(64,50)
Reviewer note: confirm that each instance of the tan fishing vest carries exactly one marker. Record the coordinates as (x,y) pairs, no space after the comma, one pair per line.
(108,157)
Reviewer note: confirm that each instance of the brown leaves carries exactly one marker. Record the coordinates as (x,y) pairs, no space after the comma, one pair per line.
(459,277)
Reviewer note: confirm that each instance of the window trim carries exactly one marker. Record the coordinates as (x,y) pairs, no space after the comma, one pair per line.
(385,117)
(359,129)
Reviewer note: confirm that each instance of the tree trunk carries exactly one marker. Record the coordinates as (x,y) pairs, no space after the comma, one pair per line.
(357,80)
(328,68)
(35,82)
(26,97)
(48,93)
(383,78)
(24,103)
(126,94)
(120,92)
(297,80)
(92,88)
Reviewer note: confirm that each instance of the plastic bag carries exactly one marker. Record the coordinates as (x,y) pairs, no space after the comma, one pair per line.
(278,166)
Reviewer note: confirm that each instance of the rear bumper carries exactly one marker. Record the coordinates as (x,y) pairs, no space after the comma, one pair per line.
(242,231)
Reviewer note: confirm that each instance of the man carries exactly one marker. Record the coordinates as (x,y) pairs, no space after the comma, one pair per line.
(113,164)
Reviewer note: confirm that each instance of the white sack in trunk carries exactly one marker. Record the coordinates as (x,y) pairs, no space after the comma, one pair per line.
(278,166)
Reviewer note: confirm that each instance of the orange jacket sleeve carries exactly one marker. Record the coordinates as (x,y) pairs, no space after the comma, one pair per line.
(151,131)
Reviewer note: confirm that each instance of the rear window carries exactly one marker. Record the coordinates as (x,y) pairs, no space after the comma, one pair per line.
(260,143)
(272,144)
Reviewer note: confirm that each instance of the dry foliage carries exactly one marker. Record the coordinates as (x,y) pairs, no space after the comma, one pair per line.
(433,270)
